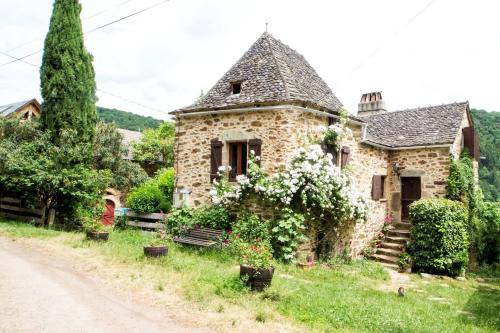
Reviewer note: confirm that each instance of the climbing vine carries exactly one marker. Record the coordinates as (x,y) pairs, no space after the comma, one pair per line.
(461,187)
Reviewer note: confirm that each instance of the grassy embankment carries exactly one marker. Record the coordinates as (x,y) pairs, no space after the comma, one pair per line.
(340,297)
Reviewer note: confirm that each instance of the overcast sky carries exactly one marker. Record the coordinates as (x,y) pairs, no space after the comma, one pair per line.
(418,52)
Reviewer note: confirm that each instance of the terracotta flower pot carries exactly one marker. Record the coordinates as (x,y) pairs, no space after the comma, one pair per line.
(98,235)
(155,251)
(257,280)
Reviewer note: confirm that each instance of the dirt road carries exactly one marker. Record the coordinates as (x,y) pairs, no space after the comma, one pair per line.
(46,294)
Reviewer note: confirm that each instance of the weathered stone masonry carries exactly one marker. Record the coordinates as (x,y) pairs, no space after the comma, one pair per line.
(274,95)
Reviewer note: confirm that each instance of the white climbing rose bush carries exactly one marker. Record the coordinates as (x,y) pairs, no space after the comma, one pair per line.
(310,184)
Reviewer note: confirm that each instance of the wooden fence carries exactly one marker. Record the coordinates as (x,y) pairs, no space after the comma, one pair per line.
(148,221)
(13,208)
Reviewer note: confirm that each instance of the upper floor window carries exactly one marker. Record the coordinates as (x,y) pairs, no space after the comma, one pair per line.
(236,87)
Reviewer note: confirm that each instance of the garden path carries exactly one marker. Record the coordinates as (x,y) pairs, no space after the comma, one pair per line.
(42,293)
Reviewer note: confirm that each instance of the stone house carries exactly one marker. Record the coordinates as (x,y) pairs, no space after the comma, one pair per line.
(272,97)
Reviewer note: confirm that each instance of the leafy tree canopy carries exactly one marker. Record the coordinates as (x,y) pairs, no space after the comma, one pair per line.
(488,126)
(108,155)
(156,145)
(127,120)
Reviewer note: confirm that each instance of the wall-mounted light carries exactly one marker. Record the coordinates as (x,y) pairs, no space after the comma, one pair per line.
(397,168)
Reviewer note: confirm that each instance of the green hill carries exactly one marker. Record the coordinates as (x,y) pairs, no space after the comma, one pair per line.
(127,120)
(488,126)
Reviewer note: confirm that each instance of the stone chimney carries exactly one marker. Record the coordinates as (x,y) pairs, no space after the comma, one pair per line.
(371,103)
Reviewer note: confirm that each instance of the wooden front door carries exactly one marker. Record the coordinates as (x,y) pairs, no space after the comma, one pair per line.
(410,191)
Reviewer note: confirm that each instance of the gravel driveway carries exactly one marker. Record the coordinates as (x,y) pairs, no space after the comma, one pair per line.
(46,294)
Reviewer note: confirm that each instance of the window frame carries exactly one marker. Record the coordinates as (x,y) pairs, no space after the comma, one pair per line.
(238,86)
(241,159)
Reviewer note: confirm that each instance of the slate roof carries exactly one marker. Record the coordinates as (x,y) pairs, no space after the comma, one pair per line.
(129,137)
(6,110)
(423,126)
(270,73)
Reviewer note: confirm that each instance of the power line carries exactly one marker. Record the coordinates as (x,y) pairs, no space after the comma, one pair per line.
(396,33)
(21,59)
(365,60)
(106,92)
(134,102)
(89,31)
(83,19)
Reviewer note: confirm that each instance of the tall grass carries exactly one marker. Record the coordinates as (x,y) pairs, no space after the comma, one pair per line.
(337,296)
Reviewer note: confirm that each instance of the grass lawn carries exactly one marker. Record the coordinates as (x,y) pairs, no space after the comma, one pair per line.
(346,297)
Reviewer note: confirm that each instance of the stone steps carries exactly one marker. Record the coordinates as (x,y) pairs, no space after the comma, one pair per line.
(402,225)
(399,240)
(390,245)
(385,259)
(399,233)
(393,245)
(389,252)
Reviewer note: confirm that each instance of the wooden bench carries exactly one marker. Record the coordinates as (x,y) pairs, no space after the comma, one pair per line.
(200,237)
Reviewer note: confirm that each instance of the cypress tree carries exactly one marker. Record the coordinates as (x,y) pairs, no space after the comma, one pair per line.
(67,77)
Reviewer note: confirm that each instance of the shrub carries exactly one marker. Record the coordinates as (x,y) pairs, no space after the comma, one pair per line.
(180,219)
(287,232)
(250,228)
(148,198)
(438,236)
(489,233)
(213,217)
(166,181)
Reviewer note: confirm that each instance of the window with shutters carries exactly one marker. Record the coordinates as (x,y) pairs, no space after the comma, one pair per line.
(238,159)
(344,156)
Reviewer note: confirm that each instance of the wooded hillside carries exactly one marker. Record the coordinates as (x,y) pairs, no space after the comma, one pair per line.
(488,126)
(127,120)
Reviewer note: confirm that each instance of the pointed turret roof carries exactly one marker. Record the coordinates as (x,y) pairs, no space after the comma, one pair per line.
(270,73)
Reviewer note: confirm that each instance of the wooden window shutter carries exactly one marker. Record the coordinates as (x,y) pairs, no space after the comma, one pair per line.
(215,158)
(344,159)
(477,151)
(376,187)
(468,133)
(255,145)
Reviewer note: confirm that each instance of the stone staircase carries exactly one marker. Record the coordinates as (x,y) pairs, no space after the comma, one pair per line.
(390,248)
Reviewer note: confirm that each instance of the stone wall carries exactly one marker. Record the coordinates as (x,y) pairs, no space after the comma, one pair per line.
(278,130)
(430,164)
(365,162)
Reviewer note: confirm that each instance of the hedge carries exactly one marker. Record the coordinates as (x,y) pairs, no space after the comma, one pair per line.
(148,198)
(438,237)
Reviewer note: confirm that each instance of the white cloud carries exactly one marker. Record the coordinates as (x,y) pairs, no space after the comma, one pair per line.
(164,57)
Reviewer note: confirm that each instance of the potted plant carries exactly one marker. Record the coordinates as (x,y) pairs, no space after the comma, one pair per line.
(95,230)
(158,246)
(256,264)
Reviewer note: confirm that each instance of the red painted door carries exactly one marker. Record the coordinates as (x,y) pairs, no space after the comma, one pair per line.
(108,218)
